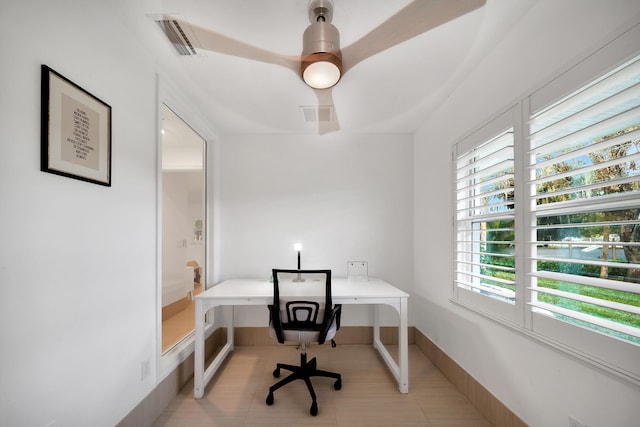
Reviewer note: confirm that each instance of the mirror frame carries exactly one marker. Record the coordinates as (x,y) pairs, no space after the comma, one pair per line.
(171,97)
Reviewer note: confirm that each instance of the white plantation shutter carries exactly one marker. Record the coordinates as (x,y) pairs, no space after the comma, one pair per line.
(585,199)
(484,255)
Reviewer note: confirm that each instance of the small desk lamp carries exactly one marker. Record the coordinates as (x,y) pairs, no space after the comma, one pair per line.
(298,247)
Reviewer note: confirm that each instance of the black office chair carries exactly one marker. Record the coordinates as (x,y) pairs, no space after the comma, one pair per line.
(305,321)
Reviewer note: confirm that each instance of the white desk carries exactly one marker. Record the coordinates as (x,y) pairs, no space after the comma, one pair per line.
(260,292)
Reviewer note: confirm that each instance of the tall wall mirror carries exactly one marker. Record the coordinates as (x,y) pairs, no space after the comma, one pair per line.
(183,221)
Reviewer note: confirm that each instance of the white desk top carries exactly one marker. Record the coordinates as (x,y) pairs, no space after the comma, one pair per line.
(341,287)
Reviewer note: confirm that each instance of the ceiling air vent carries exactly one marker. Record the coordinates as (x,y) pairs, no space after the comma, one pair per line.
(322,113)
(177,34)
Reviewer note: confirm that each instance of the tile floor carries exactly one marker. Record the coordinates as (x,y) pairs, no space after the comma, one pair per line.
(369,395)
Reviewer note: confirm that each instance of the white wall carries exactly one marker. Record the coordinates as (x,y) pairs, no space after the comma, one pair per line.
(176,226)
(182,203)
(541,386)
(345,197)
(77,260)
(179,208)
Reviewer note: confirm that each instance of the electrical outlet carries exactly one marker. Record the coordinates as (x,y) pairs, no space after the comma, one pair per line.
(575,423)
(145,369)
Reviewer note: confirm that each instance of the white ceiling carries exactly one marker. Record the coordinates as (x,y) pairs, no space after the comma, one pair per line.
(390,92)
(182,147)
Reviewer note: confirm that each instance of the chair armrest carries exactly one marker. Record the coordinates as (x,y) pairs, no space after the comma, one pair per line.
(276,322)
(334,315)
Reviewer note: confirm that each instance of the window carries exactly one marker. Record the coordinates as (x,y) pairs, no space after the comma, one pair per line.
(485,251)
(198,229)
(548,216)
(585,199)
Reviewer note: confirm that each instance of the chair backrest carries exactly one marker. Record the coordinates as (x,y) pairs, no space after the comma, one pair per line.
(302,302)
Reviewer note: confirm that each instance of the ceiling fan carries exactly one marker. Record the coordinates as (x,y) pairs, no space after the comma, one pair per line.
(323,62)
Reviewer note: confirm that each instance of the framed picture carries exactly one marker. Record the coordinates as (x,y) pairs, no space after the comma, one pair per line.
(76,131)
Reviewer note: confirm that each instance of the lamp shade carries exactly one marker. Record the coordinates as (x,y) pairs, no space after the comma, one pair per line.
(321,74)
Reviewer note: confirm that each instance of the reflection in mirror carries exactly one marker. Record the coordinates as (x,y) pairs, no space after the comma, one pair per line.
(183,234)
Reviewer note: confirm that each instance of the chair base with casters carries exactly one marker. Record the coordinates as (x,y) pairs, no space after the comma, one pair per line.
(305,371)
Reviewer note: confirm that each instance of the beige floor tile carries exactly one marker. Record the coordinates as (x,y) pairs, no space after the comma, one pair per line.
(389,410)
(459,423)
(369,395)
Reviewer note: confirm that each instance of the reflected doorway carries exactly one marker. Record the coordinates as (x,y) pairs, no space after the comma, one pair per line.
(183,220)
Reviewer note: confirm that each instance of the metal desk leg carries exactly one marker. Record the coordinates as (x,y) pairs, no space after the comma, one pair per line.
(376,325)
(229,321)
(203,375)
(198,356)
(404,348)
(399,370)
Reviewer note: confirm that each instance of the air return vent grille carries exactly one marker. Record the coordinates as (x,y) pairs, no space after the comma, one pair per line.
(177,35)
(322,113)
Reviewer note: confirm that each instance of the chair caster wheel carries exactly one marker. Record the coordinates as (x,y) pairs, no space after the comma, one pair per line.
(314,409)
(270,399)
(276,373)
(337,385)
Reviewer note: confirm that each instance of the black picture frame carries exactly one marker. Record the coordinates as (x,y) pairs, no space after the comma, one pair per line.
(75,131)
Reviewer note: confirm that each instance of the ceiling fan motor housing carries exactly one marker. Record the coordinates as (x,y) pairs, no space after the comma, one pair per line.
(321,37)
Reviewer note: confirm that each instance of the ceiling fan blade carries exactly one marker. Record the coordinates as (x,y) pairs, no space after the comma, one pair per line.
(414,19)
(329,123)
(206,39)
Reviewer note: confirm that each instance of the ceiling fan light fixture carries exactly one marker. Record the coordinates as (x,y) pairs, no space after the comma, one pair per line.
(321,70)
